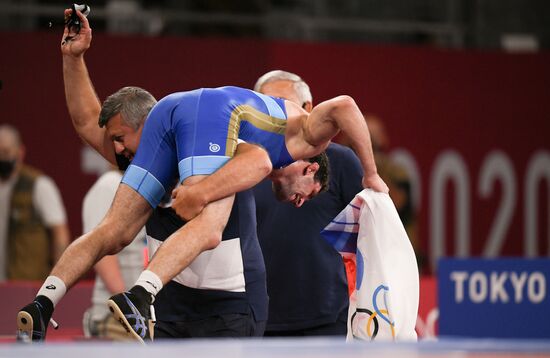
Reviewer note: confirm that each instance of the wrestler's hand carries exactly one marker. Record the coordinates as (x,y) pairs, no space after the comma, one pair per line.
(187,202)
(73,44)
(375,183)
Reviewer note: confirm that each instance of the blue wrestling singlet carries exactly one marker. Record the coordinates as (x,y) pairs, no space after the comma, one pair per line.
(196,132)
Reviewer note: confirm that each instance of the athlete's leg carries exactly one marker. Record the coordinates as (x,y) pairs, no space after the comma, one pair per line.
(202,233)
(123,221)
(132,308)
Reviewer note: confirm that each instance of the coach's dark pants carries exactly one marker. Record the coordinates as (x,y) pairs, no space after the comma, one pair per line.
(225,325)
(338,328)
(330,329)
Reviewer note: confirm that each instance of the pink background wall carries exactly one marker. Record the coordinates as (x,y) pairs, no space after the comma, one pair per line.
(432,101)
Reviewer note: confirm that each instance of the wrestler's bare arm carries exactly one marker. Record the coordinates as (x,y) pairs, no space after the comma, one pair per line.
(315,130)
(312,133)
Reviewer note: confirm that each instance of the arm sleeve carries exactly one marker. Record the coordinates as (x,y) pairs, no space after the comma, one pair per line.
(48,202)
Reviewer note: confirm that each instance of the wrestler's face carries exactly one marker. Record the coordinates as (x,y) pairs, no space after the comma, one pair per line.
(296,183)
(125,138)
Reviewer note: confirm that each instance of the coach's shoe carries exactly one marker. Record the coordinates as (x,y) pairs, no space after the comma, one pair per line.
(32,320)
(132,309)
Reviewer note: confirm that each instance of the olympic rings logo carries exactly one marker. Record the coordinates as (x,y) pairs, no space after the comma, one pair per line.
(372,325)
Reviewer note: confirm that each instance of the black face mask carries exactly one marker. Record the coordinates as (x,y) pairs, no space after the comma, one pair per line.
(122,162)
(6,168)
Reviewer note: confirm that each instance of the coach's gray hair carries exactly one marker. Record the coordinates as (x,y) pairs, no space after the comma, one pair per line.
(133,104)
(301,88)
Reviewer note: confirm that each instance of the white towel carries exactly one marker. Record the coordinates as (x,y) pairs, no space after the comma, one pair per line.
(384,305)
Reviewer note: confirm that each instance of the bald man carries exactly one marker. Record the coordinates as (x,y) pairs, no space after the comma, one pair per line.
(307,286)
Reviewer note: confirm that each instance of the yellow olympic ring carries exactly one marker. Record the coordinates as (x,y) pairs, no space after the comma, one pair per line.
(369,322)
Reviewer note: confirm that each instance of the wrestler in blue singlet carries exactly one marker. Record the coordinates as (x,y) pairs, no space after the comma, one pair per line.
(196,132)
(223,291)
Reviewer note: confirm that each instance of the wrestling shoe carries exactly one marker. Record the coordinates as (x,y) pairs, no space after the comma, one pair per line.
(133,310)
(32,320)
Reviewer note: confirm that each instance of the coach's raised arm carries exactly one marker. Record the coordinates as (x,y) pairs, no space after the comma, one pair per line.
(82,101)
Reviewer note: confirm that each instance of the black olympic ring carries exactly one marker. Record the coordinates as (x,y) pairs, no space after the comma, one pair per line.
(375,320)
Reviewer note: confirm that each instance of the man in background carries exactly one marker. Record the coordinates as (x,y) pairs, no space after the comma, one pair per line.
(306,279)
(33,222)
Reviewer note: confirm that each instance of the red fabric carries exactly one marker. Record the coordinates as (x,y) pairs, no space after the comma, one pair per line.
(145,257)
(351,269)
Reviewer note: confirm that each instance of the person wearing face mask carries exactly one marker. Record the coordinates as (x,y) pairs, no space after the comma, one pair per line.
(33,222)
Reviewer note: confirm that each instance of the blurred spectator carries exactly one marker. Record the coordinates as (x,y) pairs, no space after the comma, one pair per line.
(397,179)
(114,273)
(306,279)
(33,222)
(123,16)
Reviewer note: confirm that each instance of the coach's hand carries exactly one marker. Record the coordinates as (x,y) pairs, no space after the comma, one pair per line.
(73,44)
(187,201)
(375,183)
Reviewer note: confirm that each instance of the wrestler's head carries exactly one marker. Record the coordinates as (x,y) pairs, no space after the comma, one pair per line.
(301,180)
(123,114)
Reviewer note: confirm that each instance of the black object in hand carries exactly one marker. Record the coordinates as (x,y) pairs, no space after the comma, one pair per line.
(73,21)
